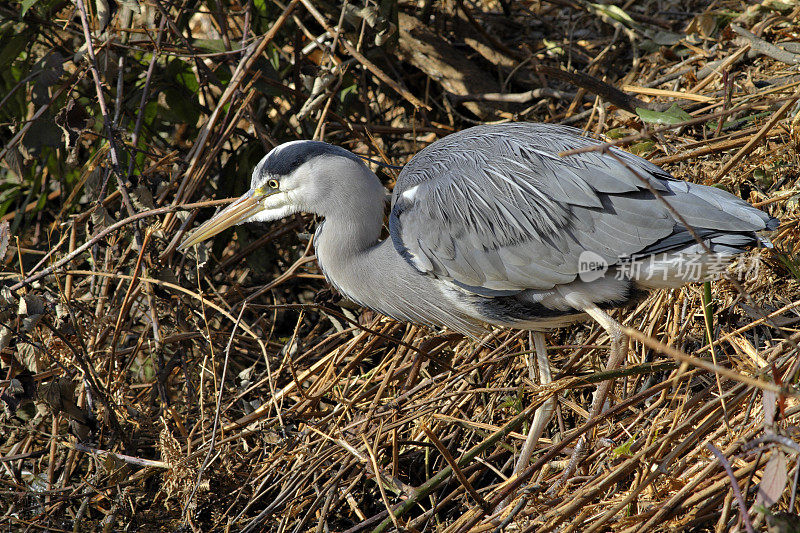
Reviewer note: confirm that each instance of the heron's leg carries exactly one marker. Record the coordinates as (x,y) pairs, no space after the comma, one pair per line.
(545,411)
(619,349)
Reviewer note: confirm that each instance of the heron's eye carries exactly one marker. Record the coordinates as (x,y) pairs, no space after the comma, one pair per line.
(273,184)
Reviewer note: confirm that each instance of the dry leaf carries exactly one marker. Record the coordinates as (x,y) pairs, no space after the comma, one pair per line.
(59,395)
(21,388)
(5,236)
(773,482)
(769,401)
(101,218)
(30,305)
(142,198)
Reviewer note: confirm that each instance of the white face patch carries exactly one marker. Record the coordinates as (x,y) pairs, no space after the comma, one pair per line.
(256,178)
(410,193)
(274,207)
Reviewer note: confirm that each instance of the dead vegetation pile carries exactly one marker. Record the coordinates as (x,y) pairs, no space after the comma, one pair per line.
(228,389)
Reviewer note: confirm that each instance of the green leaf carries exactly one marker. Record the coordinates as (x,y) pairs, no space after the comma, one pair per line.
(181,106)
(26,5)
(642,148)
(210,45)
(619,133)
(673,115)
(624,448)
(14,46)
(615,13)
(764,176)
(790,261)
(40,202)
(182,72)
(737,122)
(150,112)
(351,89)
(8,198)
(511,402)
(274,57)
(553,47)
(189,80)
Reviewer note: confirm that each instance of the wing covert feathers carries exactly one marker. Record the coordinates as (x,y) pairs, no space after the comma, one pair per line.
(496,210)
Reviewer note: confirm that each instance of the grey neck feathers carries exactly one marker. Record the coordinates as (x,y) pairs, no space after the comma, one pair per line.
(370,272)
(374,275)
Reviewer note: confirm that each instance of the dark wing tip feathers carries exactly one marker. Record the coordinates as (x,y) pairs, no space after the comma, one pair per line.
(773,223)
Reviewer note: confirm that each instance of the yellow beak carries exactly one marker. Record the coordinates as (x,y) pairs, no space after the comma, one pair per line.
(239,211)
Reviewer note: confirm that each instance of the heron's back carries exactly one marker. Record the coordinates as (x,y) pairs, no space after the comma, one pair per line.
(495,212)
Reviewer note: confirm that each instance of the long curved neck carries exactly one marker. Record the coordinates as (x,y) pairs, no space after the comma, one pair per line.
(358,264)
(366,270)
(348,233)
(371,272)
(374,275)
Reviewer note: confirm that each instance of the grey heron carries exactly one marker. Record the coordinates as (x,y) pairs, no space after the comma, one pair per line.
(492,226)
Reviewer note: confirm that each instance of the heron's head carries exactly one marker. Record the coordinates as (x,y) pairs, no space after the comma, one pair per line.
(298,176)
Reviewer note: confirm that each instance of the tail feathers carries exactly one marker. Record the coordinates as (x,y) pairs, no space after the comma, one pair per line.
(682,240)
(692,262)
(727,244)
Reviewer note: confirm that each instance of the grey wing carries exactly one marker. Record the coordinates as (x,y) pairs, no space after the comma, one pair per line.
(496,210)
